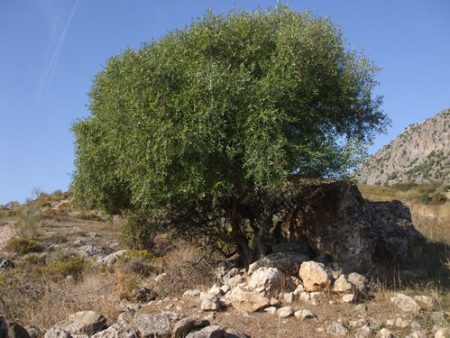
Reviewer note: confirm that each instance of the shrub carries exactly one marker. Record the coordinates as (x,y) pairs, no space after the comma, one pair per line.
(73,266)
(23,245)
(438,198)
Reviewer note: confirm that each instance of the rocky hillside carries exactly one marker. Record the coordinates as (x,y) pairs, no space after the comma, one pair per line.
(420,154)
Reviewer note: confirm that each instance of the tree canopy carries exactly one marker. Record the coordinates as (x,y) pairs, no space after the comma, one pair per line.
(222,112)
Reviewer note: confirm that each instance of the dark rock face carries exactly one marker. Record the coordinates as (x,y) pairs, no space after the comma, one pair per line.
(335,221)
(396,237)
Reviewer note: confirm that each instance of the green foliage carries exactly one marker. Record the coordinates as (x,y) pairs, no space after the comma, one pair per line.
(22,245)
(228,108)
(72,266)
(138,233)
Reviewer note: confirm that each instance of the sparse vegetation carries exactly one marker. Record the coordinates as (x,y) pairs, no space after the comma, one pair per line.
(22,245)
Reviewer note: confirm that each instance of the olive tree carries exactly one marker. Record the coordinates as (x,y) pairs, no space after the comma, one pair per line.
(199,130)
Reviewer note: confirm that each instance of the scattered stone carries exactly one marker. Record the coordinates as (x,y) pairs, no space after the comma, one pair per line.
(336,329)
(185,325)
(385,333)
(211,304)
(443,332)
(93,235)
(191,293)
(358,323)
(304,314)
(342,285)
(274,302)
(215,290)
(359,281)
(289,297)
(439,317)
(248,301)
(267,280)
(285,311)
(119,330)
(211,316)
(310,297)
(363,332)
(287,262)
(362,308)
(159,325)
(110,259)
(390,322)
(299,289)
(144,295)
(405,303)
(212,331)
(234,281)
(33,331)
(83,322)
(160,277)
(271,309)
(426,301)
(349,298)
(6,264)
(417,334)
(91,250)
(55,332)
(402,323)
(314,276)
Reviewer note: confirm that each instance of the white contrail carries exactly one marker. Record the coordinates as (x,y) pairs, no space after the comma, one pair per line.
(50,70)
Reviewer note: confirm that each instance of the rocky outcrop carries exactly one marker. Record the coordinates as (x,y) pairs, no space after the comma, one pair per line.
(419,154)
(83,322)
(340,226)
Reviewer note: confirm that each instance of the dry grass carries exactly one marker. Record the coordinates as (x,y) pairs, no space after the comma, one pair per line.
(42,302)
(186,266)
(433,220)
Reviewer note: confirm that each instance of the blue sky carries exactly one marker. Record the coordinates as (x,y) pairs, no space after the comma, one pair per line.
(50,50)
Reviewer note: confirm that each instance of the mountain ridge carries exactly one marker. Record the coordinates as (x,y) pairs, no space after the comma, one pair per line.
(420,154)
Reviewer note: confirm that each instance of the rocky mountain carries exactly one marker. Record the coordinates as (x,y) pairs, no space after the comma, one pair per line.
(421,153)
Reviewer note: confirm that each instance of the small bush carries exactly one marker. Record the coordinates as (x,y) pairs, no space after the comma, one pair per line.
(125,284)
(22,245)
(425,198)
(438,198)
(73,266)
(28,220)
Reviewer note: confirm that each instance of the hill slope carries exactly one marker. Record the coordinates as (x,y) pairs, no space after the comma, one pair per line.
(419,154)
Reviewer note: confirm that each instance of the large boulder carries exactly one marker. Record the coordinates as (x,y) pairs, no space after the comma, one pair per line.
(336,222)
(247,301)
(315,276)
(83,322)
(267,280)
(405,303)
